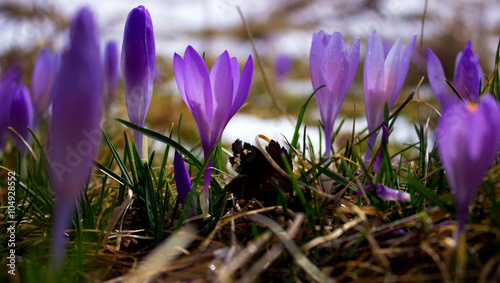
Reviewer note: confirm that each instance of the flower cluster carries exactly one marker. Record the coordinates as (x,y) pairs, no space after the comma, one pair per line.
(73,82)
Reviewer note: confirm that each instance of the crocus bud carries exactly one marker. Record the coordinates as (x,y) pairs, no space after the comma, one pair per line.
(138,67)
(42,80)
(182,179)
(111,70)
(384,77)
(212,97)
(466,80)
(333,66)
(21,116)
(469,138)
(76,114)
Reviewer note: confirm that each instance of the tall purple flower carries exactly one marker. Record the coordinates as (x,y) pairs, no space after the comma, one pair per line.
(467,78)
(331,65)
(182,179)
(469,139)
(212,97)
(42,80)
(21,115)
(8,86)
(76,114)
(384,77)
(111,70)
(138,67)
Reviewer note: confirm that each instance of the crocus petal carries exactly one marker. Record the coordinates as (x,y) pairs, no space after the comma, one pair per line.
(404,65)
(437,79)
(387,194)
(373,81)
(391,68)
(352,61)
(179,75)
(138,66)
(198,90)
(221,82)
(42,80)
(465,79)
(21,115)
(319,42)
(235,67)
(76,112)
(182,179)
(243,87)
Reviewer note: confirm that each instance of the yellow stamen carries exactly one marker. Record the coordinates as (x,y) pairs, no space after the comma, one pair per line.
(472,107)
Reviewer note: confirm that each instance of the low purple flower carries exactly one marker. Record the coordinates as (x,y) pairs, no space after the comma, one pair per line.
(469,138)
(387,194)
(138,67)
(8,86)
(111,70)
(384,77)
(466,80)
(21,116)
(212,97)
(333,66)
(282,67)
(42,80)
(74,128)
(182,179)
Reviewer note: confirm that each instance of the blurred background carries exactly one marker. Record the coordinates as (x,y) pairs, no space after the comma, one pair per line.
(282,30)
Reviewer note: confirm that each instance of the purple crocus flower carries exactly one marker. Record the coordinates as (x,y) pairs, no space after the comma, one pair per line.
(21,115)
(42,80)
(182,179)
(8,86)
(111,70)
(138,67)
(76,114)
(282,67)
(387,194)
(331,65)
(212,97)
(384,77)
(467,78)
(469,138)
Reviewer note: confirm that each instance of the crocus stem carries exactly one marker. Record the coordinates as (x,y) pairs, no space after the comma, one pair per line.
(369,147)
(461,255)
(138,142)
(206,178)
(462,221)
(328,144)
(206,184)
(63,215)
